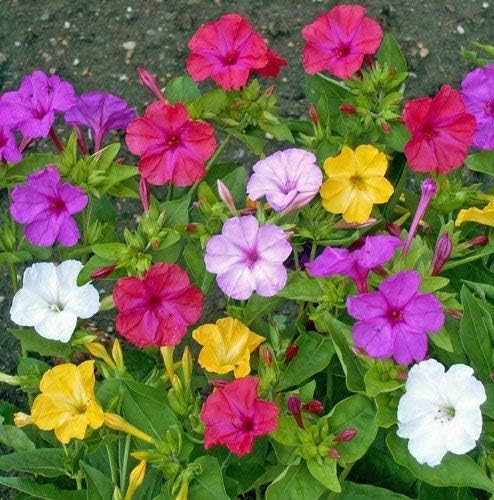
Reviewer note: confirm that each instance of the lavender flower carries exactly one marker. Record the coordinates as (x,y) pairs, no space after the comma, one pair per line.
(8,147)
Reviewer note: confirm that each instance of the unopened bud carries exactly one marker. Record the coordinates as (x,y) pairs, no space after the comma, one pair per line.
(149,81)
(402,375)
(478,240)
(291,352)
(135,479)
(103,272)
(22,419)
(346,435)
(167,355)
(313,406)
(454,313)
(117,423)
(117,355)
(393,229)
(332,453)
(144,193)
(98,351)
(187,366)
(266,355)
(386,127)
(442,252)
(314,117)
(269,91)
(226,196)
(294,405)
(191,228)
(348,109)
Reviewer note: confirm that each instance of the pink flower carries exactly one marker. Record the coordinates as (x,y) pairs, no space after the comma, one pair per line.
(273,66)
(394,320)
(338,41)
(227,50)
(248,258)
(157,309)
(46,206)
(287,178)
(8,147)
(234,416)
(441,129)
(375,251)
(172,147)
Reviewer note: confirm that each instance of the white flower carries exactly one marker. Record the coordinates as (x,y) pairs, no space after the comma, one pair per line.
(440,411)
(51,301)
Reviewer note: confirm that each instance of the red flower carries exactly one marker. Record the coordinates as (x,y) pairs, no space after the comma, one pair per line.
(274,65)
(157,309)
(234,416)
(226,50)
(338,41)
(171,146)
(441,131)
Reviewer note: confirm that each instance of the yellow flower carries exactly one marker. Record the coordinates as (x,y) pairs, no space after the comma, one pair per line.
(355,183)
(484,216)
(67,403)
(135,480)
(227,346)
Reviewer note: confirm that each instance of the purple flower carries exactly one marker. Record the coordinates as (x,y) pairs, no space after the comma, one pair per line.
(46,206)
(394,320)
(442,252)
(8,147)
(32,108)
(248,258)
(477,92)
(289,179)
(101,113)
(375,251)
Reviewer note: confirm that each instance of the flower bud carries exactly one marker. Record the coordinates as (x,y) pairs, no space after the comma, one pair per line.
(149,81)
(187,366)
(103,272)
(191,228)
(22,419)
(266,355)
(98,351)
(314,117)
(226,196)
(167,354)
(117,423)
(144,193)
(348,109)
(313,406)
(332,453)
(346,435)
(393,229)
(453,313)
(295,407)
(117,356)
(478,240)
(386,127)
(135,479)
(442,252)
(291,352)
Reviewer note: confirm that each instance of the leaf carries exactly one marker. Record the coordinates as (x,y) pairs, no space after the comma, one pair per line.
(109,251)
(387,408)
(13,437)
(356,491)
(287,431)
(481,162)
(477,334)
(336,92)
(315,353)
(428,492)
(295,483)
(209,484)
(488,407)
(115,174)
(99,486)
(235,182)
(194,258)
(376,382)
(325,473)
(442,340)
(398,137)
(47,462)
(390,54)
(301,286)
(253,142)
(454,470)
(258,306)
(176,211)
(30,164)
(32,342)
(181,89)
(36,490)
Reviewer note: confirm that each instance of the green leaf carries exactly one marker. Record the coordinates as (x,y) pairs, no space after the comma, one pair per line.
(387,408)
(356,491)
(209,484)
(14,257)
(488,407)
(99,486)
(301,286)
(258,306)
(477,334)
(287,431)
(193,255)
(176,211)
(235,182)
(254,143)
(115,174)
(47,462)
(109,251)
(315,353)
(481,162)
(442,340)
(32,342)
(454,470)
(398,137)
(336,92)
(428,492)
(36,490)
(13,437)
(325,473)
(390,54)
(295,483)
(181,89)
(213,102)
(377,382)
(28,165)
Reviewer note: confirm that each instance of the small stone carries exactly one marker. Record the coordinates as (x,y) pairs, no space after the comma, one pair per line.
(291,45)
(2,298)
(130,45)
(86,72)
(109,329)
(129,9)
(424,52)
(66,25)
(17,44)
(284,79)
(485,5)
(420,45)
(45,16)
(76,62)
(123,78)
(460,29)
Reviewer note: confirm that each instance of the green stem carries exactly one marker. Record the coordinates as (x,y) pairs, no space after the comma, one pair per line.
(13,277)
(78,480)
(313,251)
(211,161)
(123,468)
(258,493)
(295,257)
(169,194)
(111,460)
(341,478)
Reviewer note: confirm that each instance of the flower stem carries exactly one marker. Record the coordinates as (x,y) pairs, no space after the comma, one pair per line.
(56,140)
(78,480)
(313,251)
(13,276)
(111,460)
(123,468)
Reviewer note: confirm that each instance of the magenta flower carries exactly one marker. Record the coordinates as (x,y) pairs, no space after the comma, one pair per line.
(248,258)
(32,108)
(477,93)
(101,113)
(356,265)
(394,320)
(442,252)
(46,206)
(8,147)
(289,179)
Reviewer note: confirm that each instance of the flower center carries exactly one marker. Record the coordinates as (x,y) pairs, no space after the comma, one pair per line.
(444,414)
(56,308)
(246,424)
(251,259)
(173,141)
(429,132)
(396,315)
(57,205)
(343,50)
(154,301)
(357,182)
(289,186)
(230,58)
(489,109)
(3,140)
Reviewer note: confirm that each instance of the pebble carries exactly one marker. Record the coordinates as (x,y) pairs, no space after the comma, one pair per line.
(17,44)
(2,298)
(130,45)
(123,78)
(424,52)
(76,62)
(66,25)
(45,16)
(460,29)
(485,5)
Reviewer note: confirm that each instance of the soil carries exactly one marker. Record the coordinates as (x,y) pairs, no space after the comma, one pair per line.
(98,45)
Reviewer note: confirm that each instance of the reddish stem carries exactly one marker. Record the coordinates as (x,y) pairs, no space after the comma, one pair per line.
(56,140)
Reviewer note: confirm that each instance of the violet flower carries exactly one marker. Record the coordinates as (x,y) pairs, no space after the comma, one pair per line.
(478,96)
(9,150)
(32,108)
(394,320)
(46,206)
(375,251)
(442,252)
(248,258)
(101,113)
(429,189)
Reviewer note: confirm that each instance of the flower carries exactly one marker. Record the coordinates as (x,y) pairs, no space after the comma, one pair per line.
(50,300)
(172,147)
(8,147)
(355,182)
(226,50)
(101,113)
(46,206)
(375,251)
(67,403)
(442,252)
(287,178)
(273,66)
(136,478)
(157,309)
(440,411)
(248,258)
(226,346)
(32,108)
(234,416)
(338,41)
(441,129)
(394,320)
(478,96)
(482,216)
